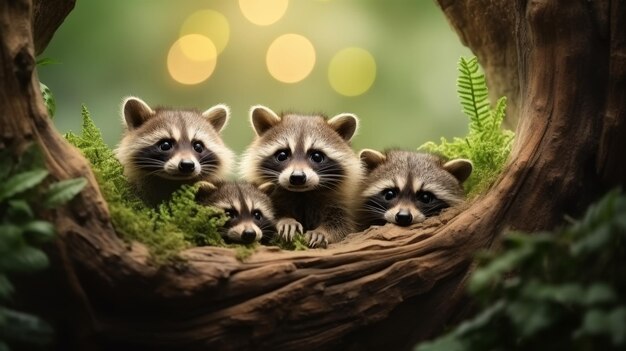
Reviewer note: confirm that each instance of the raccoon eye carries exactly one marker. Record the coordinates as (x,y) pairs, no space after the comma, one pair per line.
(198,147)
(282,155)
(317,157)
(425,196)
(389,194)
(257,215)
(231,213)
(165,145)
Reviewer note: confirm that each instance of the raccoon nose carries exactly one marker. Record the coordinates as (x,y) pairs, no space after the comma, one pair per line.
(297,178)
(186,166)
(248,236)
(404,218)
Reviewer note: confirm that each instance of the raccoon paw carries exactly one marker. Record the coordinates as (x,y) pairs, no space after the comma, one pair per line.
(288,227)
(316,238)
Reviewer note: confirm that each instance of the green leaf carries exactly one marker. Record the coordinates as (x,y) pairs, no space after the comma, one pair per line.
(30,159)
(482,277)
(39,231)
(10,236)
(25,328)
(529,318)
(445,343)
(24,259)
(599,293)
(63,191)
(19,211)
(22,182)
(6,288)
(593,242)
(6,164)
(44,61)
(48,99)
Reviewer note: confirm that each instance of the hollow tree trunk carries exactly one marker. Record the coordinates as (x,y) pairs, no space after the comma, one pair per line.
(562,63)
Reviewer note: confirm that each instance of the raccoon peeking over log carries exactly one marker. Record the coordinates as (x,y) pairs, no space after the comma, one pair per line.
(405,187)
(316,173)
(164,148)
(248,208)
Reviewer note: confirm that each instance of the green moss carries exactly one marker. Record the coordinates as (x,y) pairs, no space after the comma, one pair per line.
(299,243)
(487,145)
(242,252)
(175,225)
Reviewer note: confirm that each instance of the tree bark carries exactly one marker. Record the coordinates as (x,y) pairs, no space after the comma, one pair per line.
(562,63)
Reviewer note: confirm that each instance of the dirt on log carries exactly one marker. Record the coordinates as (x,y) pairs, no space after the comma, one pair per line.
(562,63)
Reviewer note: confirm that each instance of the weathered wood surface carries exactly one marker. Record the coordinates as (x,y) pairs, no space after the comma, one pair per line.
(563,65)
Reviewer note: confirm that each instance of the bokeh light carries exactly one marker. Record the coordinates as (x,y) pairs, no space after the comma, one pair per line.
(352,71)
(192,59)
(210,24)
(290,58)
(263,12)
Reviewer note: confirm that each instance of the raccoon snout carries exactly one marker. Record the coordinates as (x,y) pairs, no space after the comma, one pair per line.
(404,218)
(248,236)
(297,178)
(186,166)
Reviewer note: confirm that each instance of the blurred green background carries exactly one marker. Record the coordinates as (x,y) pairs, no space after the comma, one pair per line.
(111,49)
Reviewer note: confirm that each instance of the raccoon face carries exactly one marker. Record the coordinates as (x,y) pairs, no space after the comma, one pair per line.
(301,153)
(406,187)
(248,208)
(174,144)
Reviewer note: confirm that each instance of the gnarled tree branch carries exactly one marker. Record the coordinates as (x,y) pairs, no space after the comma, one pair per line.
(549,57)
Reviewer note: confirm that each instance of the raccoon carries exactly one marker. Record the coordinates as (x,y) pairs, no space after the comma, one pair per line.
(250,212)
(405,187)
(163,148)
(315,171)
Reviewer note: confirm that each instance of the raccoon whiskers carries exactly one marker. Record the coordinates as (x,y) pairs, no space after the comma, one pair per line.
(312,158)
(421,186)
(157,138)
(374,207)
(148,162)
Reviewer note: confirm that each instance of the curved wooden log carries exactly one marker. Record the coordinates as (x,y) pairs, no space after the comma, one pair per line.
(385,287)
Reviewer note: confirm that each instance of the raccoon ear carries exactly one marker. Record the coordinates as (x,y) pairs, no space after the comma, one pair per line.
(267,188)
(345,124)
(262,119)
(136,112)
(459,168)
(217,115)
(205,190)
(371,158)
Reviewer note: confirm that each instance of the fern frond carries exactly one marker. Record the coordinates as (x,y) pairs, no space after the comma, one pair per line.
(473,94)
(487,145)
(498,113)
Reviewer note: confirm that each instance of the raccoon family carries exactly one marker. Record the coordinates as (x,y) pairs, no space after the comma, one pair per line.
(564,59)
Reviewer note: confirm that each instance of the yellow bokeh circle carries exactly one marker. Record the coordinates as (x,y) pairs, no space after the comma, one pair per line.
(192,59)
(352,71)
(263,12)
(290,58)
(210,24)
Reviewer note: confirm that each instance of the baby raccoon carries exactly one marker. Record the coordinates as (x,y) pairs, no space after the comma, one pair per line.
(251,217)
(405,187)
(163,149)
(315,171)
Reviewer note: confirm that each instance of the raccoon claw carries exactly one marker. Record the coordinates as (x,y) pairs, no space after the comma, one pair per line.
(316,239)
(288,228)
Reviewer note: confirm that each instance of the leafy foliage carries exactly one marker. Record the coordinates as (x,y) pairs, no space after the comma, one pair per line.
(172,227)
(563,290)
(486,145)
(48,98)
(22,195)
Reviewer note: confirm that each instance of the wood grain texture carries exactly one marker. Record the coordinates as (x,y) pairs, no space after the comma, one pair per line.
(562,63)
